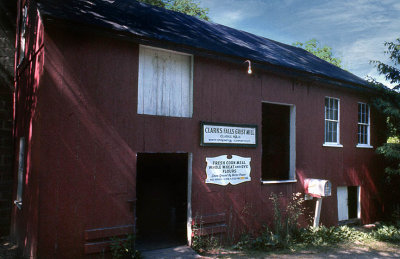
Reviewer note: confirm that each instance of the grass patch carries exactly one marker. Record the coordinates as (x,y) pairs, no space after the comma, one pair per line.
(319,238)
(322,241)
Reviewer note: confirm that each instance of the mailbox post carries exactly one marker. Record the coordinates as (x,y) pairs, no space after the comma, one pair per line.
(317,188)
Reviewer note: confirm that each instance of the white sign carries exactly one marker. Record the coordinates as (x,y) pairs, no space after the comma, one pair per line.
(228,135)
(222,170)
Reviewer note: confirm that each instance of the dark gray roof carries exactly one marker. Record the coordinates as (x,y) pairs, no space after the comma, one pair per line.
(131,17)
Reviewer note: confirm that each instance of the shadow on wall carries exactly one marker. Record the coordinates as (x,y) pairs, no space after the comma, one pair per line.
(87,178)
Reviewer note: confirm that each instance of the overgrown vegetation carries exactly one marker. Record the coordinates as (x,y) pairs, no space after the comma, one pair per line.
(202,243)
(287,234)
(319,237)
(387,233)
(124,248)
(285,227)
(285,224)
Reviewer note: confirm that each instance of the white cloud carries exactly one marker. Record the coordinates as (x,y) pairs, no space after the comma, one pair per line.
(233,12)
(356,29)
(230,17)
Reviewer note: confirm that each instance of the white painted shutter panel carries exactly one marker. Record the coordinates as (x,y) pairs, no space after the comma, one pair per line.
(343,209)
(165,83)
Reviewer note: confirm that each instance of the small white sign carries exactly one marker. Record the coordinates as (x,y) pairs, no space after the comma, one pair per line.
(222,170)
(214,134)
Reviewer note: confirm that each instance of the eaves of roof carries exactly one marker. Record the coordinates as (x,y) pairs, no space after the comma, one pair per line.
(158,26)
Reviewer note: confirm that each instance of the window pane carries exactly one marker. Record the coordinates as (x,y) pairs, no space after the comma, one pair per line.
(334,131)
(326,131)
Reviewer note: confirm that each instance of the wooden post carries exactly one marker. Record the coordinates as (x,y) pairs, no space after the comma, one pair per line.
(317,212)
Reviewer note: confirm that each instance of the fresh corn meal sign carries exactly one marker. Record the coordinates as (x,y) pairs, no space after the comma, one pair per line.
(222,170)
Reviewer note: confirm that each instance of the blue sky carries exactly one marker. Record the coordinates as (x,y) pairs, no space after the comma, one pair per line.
(355,29)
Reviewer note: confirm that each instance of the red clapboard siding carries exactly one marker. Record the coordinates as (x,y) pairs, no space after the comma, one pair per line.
(104,233)
(210,224)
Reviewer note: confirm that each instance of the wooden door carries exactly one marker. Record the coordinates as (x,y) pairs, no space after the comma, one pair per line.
(342,197)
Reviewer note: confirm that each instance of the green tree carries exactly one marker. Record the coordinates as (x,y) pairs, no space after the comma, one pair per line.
(190,7)
(323,52)
(159,3)
(388,103)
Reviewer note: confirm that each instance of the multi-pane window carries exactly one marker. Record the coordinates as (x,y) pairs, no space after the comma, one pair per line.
(331,120)
(363,124)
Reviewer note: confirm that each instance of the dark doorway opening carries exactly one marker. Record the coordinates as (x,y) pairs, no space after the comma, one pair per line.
(161,192)
(275,142)
(352,192)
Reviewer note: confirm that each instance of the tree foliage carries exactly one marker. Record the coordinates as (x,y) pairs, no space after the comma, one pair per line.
(190,7)
(323,52)
(388,103)
(391,71)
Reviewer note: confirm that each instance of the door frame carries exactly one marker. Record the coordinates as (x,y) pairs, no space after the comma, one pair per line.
(346,203)
(189,199)
(189,191)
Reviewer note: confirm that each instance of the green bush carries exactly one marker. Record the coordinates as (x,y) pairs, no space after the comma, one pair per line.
(267,240)
(201,244)
(285,226)
(124,247)
(324,236)
(387,233)
(286,232)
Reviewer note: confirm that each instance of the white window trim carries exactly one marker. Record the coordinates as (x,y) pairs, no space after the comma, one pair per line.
(368,145)
(191,77)
(292,146)
(364,146)
(281,181)
(333,144)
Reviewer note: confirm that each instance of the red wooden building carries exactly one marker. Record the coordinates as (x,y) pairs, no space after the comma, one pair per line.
(131,118)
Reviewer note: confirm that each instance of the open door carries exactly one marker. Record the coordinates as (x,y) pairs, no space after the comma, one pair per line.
(348,200)
(162,200)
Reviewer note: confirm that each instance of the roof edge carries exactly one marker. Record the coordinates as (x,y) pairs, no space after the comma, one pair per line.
(271,68)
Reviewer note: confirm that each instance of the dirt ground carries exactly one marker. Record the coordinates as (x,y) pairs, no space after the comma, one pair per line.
(351,250)
(7,249)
